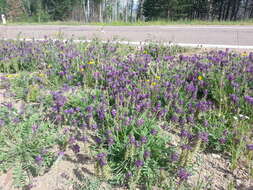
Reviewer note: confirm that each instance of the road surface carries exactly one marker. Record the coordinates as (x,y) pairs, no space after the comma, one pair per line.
(187,34)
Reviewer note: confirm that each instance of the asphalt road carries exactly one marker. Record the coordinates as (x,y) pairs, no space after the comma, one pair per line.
(220,35)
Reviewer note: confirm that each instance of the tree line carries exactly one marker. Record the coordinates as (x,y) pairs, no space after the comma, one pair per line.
(125,10)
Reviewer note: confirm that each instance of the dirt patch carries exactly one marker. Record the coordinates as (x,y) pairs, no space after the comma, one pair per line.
(215,171)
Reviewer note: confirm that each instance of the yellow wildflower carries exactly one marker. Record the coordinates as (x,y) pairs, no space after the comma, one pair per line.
(11,75)
(147,80)
(244,54)
(158,77)
(81,70)
(42,75)
(145,52)
(91,62)
(153,83)
(200,78)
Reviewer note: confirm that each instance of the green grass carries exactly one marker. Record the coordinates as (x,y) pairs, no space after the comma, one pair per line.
(140,23)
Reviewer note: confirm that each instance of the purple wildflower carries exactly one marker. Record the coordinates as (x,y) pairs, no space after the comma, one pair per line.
(186,147)
(76,148)
(203,136)
(144,140)
(64,175)
(84,139)
(190,88)
(249,147)
(110,141)
(35,128)
(8,105)
(190,119)
(230,77)
(139,163)
(38,159)
(183,175)
(15,120)
(30,186)
(137,144)
(113,112)
(249,99)
(44,151)
(205,123)
(72,140)
(154,132)
(129,174)
(222,140)
(182,121)
(146,154)
(89,109)
(69,111)
(140,122)
(98,140)
(168,58)
(235,84)
(174,118)
(203,105)
(225,132)
(58,117)
(61,153)
(94,126)
(184,133)
(59,100)
(2,123)
(234,98)
(101,158)
(174,157)
(132,139)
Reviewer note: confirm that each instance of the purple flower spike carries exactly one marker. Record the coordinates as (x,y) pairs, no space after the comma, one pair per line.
(129,174)
(84,139)
(137,144)
(190,119)
(186,147)
(146,154)
(184,133)
(190,88)
(203,136)
(234,98)
(206,124)
(114,112)
(132,139)
(249,99)
(154,132)
(230,77)
(35,128)
(174,118)
(140,122)
(38,159)
(76,148)
(72,140)
(183,174)
(61,153)
(101,158)
(222,140)
(174,157)
(2,123)
(250,147)
(144,140)
(139,163)
(110,141)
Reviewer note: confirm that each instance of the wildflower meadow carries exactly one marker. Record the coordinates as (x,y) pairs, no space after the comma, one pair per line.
(147,117)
